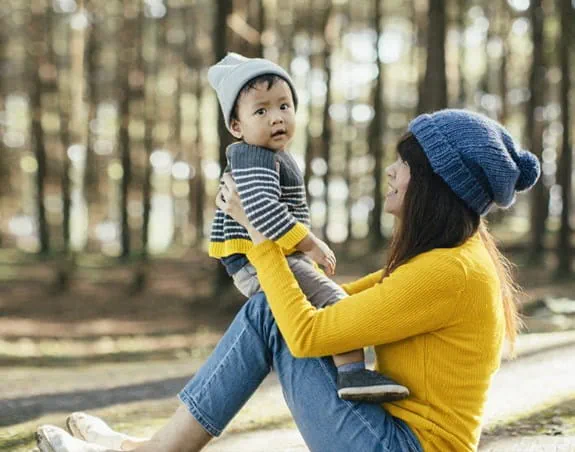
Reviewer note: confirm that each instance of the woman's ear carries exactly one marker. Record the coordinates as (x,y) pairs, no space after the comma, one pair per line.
(236,129)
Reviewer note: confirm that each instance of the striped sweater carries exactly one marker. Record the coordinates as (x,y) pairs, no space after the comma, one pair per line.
(272,191)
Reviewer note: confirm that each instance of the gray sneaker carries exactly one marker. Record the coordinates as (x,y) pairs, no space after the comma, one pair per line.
(369,386)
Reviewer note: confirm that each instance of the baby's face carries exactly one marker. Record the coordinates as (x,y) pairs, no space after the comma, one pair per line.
(266,117)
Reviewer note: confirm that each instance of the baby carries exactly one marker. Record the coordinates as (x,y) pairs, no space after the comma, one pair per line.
(258,101)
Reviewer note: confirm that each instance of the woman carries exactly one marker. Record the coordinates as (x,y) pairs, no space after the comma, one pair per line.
(436,314)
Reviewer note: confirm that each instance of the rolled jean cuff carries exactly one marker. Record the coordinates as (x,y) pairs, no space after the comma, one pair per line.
(203,419)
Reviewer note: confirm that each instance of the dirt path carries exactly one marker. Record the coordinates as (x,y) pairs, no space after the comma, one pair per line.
(137,397)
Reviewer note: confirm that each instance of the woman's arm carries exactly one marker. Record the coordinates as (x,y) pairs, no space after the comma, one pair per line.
(416,298)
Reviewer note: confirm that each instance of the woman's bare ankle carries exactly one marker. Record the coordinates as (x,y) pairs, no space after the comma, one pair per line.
(182,433)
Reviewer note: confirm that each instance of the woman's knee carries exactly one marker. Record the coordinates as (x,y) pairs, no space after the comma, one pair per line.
(258,314)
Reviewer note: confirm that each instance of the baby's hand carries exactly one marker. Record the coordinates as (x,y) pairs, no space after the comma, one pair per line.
(322,255)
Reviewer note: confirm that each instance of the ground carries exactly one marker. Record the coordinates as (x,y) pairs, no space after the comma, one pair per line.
(122,354)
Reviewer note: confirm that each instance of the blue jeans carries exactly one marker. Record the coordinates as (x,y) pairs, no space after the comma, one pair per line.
(247,352)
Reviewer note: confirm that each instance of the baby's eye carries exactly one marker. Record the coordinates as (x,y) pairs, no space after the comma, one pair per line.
(260,111)
(284,106)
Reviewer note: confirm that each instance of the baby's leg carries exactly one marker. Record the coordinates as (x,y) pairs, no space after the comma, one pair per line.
(321,291)
(355,382)
(246,280)
(355,356)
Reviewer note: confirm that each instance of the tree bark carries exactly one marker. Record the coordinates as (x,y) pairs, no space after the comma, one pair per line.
(503,33)
(462,8)
(127,39)
(326,135)
(198,181)
(223,8)
(564,245)
(376,132)
(540,194)
(38,49)
(434,92)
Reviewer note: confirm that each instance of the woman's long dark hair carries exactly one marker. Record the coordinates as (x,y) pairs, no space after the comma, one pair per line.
(433,216)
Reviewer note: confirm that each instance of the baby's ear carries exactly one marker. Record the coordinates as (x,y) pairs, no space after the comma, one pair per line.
(236,129)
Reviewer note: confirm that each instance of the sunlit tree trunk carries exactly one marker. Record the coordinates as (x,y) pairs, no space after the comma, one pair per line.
(486,86)
(565,246)
(503,28)
(223,9)
(37,50)
(91,187)
(144,91)
(176,52)
(257,19)
(4,171)
(462,8)
(433,95)
(376,133)
(540,194)
(62,62)
(127,40)
(310,141)
(195,64)
(197,182)
(326,135)
(419,14)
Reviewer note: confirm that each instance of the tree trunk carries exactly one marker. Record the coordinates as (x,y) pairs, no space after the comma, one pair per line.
(564,245)
(434,92)
(326,135)
(147,96)
(503,34)
(66,264)
(462,8)
(4,89)
(376,132)
(91,186)
(197,200)
(257,19)
(198,181)
(127,40)
(223,8)
(37,42)
(540,195)
(310,141)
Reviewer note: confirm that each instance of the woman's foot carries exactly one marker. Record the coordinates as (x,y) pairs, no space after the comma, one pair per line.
(54,439)
(369,386)
(94,430)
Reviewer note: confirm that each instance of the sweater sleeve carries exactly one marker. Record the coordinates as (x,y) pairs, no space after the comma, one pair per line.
(258,184)
(418,297)
(363,283)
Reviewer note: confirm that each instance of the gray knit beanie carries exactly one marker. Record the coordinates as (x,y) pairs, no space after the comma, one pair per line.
(229,76)
(476,157)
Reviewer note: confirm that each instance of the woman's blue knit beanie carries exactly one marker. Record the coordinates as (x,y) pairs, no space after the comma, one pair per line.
(476,157)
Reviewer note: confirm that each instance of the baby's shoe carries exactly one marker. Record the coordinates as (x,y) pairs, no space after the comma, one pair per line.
(369,386)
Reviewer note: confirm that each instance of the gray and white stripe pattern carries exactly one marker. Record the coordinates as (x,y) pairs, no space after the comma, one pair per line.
(274,201)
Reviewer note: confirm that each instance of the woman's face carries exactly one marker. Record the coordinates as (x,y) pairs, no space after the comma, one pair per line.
(398,176)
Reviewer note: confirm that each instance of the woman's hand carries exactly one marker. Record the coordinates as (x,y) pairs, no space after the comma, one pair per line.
(229,202)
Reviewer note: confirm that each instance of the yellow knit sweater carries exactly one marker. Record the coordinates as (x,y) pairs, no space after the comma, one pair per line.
(436,322)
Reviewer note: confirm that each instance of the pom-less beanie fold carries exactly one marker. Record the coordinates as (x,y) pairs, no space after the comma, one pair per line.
(476,157)
(230,75)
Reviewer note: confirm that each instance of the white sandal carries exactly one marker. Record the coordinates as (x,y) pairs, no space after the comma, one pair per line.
(94,430)
(54,439)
